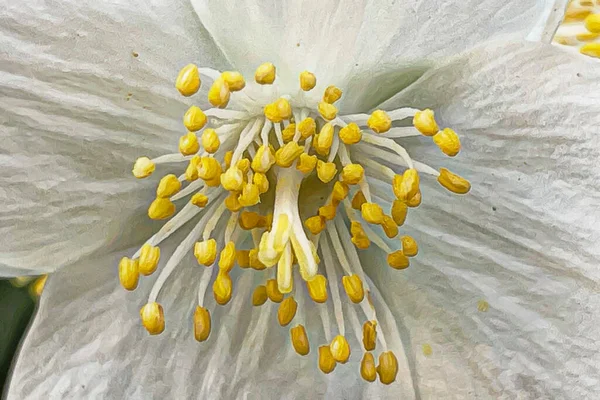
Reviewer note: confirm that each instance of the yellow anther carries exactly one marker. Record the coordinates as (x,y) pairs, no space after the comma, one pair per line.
(278,111)
(148,261)
(233,179)
(326,361)
(288,132)
(372,213)
(286,155)
(308,80)
(191,171)
(265,221)
(587,36)
(389,226)
(368,371)
(188,144)
(415,201)
(406,185)
(37,287)
(379,121)
(409,246)
(218,94)
(273,291)
(143,167)
(317,288)
(483,306)
(227,258)
(332,94)
(161,208)
(399,211)
(592,23)
(222,288)
(425,123)
(168,186)
(340,192)
(315,224)
(453,182)
(447,140)
(250,195)
(358,200)
(129,273)
(188,80)
(340,349)
(209,169)
(206,252)
(326,171)
(199,200)
(234,80)
(210,140)
(194,119)
(259,296)
(243,165)
(307,128)
(350,134)
(323,141)
(327,211)
(356,229)
(153,318)
(354,288)
(265,74)
(352,174)
(300,340)
(227,159)
(242,257)
(248,220)
(359,237)
(590,49)
(261,181)
(398,260)
(256,264)
(387,368)
(232,202)
(201,324)
(263,160)
(287,311)
(327,111)
(427,350)
(306,163)
(370,335)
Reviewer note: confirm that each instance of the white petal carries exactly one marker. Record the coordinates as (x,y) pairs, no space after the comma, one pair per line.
(371,49)
(77,110)
(525,239)
(87,342)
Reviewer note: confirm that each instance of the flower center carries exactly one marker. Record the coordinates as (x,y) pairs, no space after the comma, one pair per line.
(308,186)
(581,27)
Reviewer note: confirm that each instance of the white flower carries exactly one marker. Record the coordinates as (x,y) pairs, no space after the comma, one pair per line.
(499,302)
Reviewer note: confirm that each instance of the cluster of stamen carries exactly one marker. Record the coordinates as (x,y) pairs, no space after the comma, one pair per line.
(581,27)
(245,168)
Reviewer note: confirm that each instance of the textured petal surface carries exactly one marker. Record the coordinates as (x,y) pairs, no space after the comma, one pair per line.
(525,239)
(86,88)
(371,48)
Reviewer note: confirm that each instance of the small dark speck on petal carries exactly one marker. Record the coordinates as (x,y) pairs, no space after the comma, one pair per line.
(135,54)
(494,208)
(578,75)
(298,44)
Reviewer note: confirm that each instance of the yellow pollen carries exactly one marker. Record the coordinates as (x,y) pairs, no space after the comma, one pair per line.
(265,74)
(227,258)
(340,349)
(161,208)
(242,257)
(227,159)
(261,181)
(218,94)
(354,288)
(427,350)
(188,144)
(453,182)
(308,80)
(201,324)
(194,119)
(143,167)
(222,288)
(370,335)
(286,155)
(409,246)
(398,260)
(256,264)
(483,306)
(168,186)
(350,134)
(232,202)
(406,185)
(209,169)
(326,171)
(352,174)
(576,15)
(324,139)
(399,212)
(358,200)
(372,213)
(244,165)
(148,261)
(359,238)
(287,311)
(282,110)
(188,80)
(153,318)
(199,200)
(233,179)
(307,128)
(306,163)
(587,36)
(206,252)
(327,211)
(248,220)
(389,226)
(340,191)
(425,122)
(415,201)
(591,49)
(250,195)
(592,23)
(210,140)
(332,94)
(288,133)
(327,111)
(315,224)
(368,371)
(235,81)
(259,296)
(448,141)
(263,160)
(300,340)
(387,368)
(129,273)
(317,288)
(326,361)
(379,121)
(191,171)
(37,287)
(273,291)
